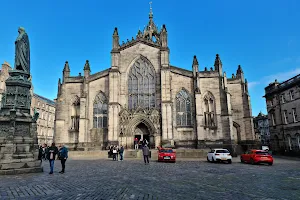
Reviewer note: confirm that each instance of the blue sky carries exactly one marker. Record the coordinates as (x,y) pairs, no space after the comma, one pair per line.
(262,36)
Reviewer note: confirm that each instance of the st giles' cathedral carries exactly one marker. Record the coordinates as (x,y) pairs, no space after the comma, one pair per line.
(143,96)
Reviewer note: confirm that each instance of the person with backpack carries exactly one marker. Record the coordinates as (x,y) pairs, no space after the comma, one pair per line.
(63,156)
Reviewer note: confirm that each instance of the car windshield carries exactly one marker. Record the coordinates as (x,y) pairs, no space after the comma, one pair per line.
(222,151)
(261,153)
(166,151)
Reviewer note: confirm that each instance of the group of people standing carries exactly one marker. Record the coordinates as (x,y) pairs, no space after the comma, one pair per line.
(139,144)
(53,153)
(114,151)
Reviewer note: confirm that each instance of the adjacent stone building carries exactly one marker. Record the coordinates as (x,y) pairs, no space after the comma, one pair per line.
(45,123)
(141,95)
(283,105)
(45,107)
(261,128)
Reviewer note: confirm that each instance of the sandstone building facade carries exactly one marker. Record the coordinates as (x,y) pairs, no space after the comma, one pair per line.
(45,107)
(261,128)
(142,95)
(283,105)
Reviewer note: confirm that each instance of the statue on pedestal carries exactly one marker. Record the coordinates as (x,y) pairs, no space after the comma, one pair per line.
(22,57)
(18,129)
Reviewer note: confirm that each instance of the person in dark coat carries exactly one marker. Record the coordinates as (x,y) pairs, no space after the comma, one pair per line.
(146,153)
(121,152)
(51,153)
(63,156)
(40,156)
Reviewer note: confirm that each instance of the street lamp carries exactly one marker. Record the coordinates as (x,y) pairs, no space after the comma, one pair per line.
(121,135)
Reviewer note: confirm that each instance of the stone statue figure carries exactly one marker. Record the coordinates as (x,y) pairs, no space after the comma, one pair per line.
(35,115)
(22,57)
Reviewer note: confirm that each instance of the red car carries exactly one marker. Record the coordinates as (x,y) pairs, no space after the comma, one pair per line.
(166,155)
(257,156)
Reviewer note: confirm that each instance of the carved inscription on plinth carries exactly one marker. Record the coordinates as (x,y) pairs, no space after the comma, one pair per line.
(22,130)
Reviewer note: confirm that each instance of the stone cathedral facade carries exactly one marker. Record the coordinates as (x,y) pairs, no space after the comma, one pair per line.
(142,95)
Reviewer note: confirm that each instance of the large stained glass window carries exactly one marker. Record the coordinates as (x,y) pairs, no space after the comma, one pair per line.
(141,85)
(183,108)
(100,111)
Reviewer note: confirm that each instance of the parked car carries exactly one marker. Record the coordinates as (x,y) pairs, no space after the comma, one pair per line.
(257,156)
(166,155)
(218,155)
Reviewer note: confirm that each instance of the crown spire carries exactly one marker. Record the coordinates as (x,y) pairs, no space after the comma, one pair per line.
(151,13)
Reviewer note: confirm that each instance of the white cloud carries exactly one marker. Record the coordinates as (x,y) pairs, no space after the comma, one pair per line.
(283,76)
(252,84)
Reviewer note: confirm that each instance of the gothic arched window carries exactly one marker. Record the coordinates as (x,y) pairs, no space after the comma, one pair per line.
(141,85)
(209,111)
(183,109)
(100,111)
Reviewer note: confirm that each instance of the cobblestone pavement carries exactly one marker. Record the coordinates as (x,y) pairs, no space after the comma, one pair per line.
(131,179)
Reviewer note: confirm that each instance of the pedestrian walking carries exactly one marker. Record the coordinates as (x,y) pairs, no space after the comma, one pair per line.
(63,156)
(121,152)
(51,153)
(146,153)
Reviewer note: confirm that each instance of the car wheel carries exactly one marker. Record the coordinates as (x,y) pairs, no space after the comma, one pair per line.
(270,163)
(207,159)
(252,162)
(229,161)
(242,161)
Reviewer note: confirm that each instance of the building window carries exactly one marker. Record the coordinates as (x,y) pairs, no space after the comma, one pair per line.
(282,98)
(291,95)
(289,139)
(273,119)
(295,118)
(141,85)
(75,115)
(100,111)
(209,111)
(183,108)
(285,117)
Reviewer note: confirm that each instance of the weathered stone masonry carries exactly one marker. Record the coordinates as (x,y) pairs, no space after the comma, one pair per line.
(142,95)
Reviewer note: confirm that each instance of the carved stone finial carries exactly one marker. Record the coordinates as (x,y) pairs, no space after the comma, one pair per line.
(211,69)
(67,67)
(87,65)
(115,31)
(218,63)
(239,70)
(205,68)
(232,76)
(195,61)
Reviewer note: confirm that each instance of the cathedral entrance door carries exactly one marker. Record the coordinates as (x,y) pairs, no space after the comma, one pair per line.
(142,133)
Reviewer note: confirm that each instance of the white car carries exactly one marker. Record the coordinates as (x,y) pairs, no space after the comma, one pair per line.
(218,155)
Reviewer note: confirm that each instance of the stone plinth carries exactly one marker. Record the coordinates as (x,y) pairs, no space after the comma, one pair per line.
(18,130)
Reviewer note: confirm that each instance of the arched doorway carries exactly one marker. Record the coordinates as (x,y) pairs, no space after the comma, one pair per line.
(142,133)
(141,127)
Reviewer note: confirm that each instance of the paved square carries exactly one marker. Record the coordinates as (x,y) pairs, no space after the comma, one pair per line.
(131,179)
